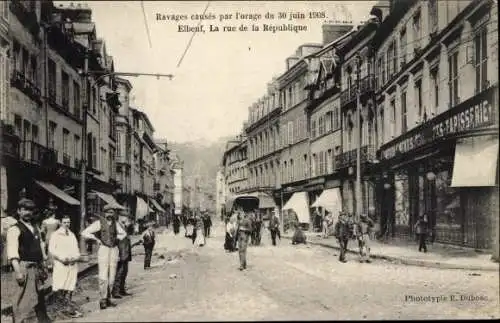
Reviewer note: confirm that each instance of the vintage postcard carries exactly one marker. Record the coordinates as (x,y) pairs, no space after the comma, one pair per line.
(249,160)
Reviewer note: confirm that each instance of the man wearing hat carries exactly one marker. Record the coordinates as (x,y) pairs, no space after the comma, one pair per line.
(106,232)
(244,230)
(25,251)
(363,229)
(274,227)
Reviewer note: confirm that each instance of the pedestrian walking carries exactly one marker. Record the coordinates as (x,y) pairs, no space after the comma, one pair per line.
(244,229)
(274,228)
(229,243)
(364,230)
(63,248)
(148,241)
(26,252)
(177,224)
(207,224)
(199,231)
(343,234)
(421,229)
(106,232)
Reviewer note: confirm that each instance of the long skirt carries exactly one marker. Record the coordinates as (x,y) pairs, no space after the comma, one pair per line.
(200,238)
(229,243)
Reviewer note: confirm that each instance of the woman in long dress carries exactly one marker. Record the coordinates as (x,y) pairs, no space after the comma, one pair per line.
(198,231)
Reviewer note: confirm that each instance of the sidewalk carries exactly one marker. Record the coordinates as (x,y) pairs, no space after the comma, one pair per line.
(437,255)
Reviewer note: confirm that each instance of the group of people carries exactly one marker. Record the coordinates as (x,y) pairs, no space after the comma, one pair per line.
(196,227)
(34,248)
(348,228)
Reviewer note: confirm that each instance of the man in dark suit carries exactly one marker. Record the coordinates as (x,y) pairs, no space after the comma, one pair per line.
(124,257)
(148,241)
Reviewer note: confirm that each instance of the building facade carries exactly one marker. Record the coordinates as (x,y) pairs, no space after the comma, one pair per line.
(181,199)
(440,94)
(220,196)
(235,166)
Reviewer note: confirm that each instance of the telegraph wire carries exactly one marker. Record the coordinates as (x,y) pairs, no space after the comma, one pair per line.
(146,24)
(192,36)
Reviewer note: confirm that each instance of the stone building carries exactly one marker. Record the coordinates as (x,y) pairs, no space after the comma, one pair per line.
(163,181)
(437,67)
(235,166)
(263,133)
(294,155)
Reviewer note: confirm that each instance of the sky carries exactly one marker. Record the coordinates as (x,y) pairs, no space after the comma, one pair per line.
(222,73)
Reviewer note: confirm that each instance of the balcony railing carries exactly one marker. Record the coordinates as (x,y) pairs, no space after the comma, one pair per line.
(67,160)
(37,154)
(348,158)
(21,82)
(366,84)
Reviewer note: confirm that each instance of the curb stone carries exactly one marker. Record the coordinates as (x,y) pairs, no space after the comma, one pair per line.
(409,261)
(7,310)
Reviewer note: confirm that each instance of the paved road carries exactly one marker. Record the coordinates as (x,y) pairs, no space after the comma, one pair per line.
(290,283)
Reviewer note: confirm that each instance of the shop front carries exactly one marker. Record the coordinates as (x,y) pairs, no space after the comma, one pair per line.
(445,170)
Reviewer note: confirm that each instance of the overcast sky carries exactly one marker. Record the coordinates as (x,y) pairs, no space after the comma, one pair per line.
(221,74)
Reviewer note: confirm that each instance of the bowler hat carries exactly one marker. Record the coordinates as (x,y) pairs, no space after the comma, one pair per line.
(26,203)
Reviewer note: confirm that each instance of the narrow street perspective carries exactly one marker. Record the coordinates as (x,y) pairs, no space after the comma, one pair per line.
(247,161)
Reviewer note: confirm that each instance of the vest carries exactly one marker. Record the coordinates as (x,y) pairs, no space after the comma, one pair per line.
(245,225)
(29,244)
(108,233)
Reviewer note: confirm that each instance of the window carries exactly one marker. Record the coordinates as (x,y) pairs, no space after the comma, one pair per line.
(103,164)
(76,148)
(403,45)
(76,99)
(65,91)
(453,78)
(380,81)
(27,130)
(433,15)
(329,121)
(393,116)
(94,152)
(52,79)
(394,61)
(382,125)
(34,133)
(321,126)
(18,124)
(329,165)
(313,129)
(435,89)
(290,133)
(16,58)
(111,162)
(33,75)
(404,112)
(417,29)
(336,118)
(94,101)
(25,63)
(418,98)
(52,134)
(65,141)
(5,9)
(305,166)
(481,60)
(390,57)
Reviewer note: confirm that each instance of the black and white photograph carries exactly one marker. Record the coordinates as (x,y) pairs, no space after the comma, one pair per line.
(181,161)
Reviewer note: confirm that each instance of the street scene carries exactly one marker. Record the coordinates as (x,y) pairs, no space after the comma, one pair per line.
(245,161)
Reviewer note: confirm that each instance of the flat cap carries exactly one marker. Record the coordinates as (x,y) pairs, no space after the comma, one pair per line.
(26,203)
(108,207)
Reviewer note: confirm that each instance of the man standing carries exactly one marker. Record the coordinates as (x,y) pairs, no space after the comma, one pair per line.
(106,232)
(25,251)
(274,227)
(49,225)
(148,241)
(342,233)
(244,229)
(421,229)
(63,248)
(364,228)
(124,257)
(207,224)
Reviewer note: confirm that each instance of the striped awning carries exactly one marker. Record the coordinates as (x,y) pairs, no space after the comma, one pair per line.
(157,206)
(60,194)
(109,200)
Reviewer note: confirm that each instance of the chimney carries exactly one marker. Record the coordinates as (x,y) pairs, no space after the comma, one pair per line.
(332,32)
(290,61)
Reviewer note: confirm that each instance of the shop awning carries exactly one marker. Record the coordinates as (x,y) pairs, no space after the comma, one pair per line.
(475,162)
(330,200)
(265,201)
(157,206)
(60,194)
(109,200)
(141,209)
(299,203)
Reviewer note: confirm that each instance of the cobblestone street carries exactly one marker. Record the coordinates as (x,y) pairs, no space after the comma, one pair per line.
(288,282)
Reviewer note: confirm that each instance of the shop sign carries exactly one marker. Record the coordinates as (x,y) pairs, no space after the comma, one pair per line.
(466,118)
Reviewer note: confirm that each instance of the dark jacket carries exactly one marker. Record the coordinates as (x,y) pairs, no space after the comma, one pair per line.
(125,249)
(148,239)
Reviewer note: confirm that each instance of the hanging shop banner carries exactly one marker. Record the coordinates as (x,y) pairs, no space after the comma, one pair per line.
(475,113)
